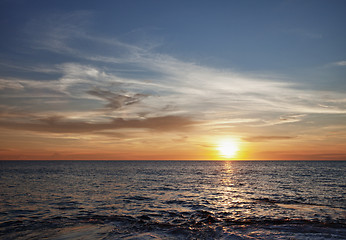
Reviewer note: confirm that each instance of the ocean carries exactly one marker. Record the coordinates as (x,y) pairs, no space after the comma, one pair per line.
(172,200)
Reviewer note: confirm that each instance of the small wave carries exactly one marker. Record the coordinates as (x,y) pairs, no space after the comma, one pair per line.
(276,201)
(178,202)
(198,224)
(22,211)
(139,198)
(66,203)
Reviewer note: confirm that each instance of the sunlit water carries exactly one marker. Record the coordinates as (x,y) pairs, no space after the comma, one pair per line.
(172,200)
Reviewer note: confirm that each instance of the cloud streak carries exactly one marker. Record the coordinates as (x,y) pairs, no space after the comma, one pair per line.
(57,124)
(116,100)
(340,64)
(267,138)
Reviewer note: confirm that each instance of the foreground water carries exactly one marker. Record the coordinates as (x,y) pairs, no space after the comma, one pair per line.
(172,200)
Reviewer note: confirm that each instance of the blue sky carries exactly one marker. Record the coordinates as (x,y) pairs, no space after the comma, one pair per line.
(254,70)
(290,34)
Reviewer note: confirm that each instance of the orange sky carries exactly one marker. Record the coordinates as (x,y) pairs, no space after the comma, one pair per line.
(145,144)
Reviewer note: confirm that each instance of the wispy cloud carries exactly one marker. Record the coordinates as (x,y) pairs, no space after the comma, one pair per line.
(7,84)
(267,138)
(58,124)
(155,88)
(117,100)
(340,63)
(283,119)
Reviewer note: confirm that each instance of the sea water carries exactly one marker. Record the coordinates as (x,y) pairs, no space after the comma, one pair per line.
(172,200)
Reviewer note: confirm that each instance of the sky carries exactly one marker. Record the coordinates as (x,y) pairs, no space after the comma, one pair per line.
(176,80)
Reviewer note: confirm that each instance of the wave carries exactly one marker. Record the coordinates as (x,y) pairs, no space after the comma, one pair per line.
(200,224)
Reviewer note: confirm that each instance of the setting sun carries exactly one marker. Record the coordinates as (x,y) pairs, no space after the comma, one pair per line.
(228,148)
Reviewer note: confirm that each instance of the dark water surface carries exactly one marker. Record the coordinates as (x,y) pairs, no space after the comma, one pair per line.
(172,200)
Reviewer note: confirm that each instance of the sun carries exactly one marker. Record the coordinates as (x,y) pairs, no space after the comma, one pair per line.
(228,148)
